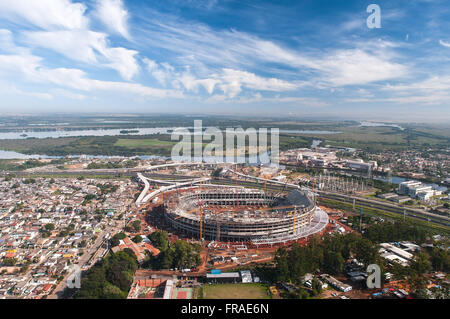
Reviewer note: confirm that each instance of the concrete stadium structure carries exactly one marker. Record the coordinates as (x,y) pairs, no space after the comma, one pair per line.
(244,215)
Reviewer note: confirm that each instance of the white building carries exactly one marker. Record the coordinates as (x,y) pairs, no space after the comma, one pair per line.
(359,165)
(403,188)
(414,191)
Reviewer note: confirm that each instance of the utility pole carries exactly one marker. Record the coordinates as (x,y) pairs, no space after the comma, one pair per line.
(360,219)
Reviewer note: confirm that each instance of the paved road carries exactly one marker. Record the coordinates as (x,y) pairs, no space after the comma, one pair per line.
(91,252)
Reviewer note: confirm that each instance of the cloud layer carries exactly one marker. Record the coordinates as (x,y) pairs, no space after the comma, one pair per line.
(216,53)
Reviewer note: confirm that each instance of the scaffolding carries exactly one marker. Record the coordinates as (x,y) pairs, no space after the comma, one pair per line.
(240,214)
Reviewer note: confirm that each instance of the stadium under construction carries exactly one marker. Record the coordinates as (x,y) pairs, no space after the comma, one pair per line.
(238,214)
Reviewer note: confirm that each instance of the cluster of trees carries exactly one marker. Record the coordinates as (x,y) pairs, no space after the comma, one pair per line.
(88,198)
(328,255)
(137,239)
(134,227)
(67,231)
(46,231)
(108,165)
(110,278)
(440,259)
(396,231)
(180,255)
(9,261)
(303,293)
(107,188)
(115,240)
(331,253)
(94,145)
(383,186)
(11,166)
(29,181)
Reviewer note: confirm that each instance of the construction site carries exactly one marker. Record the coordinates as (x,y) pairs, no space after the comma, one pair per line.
(238,214)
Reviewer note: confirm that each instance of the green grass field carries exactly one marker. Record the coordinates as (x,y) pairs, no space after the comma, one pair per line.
(234,291)
(133,143)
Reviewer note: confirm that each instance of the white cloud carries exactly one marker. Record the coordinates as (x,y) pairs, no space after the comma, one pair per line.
(122,60)
(46,14)
(433,99)
(29,67)
(355,67)
(433,90)
(6,41)
(68,94)
(258,98)
(229,81)
(234,79)
(39,95)
(191,83)
(114,15)
(79,45)
(162,73)
(432,84)
(231,49)
(445,44)
(86,46)
(66,31)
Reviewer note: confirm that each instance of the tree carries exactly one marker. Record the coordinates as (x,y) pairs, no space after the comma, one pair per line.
(366,252)
(111,278)
(316,287)
(334,261)
(282,265)
(9,261)
(115,240)
(421,263)
(440,259)
(137,239)
(50,227)
(136,225)
(160,239)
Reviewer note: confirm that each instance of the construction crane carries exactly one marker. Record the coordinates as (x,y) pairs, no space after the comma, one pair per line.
(265,189)
(201,223)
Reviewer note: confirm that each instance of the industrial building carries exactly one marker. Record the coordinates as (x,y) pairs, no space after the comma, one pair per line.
(359,165)
(415,189)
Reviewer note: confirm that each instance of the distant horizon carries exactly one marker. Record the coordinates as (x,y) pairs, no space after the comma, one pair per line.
(322,117)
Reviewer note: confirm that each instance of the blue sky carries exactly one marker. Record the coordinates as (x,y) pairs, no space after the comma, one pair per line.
(299,58)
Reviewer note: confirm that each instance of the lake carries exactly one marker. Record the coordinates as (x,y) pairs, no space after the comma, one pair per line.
(116,132)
